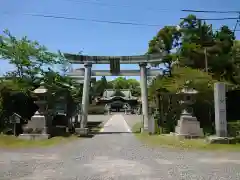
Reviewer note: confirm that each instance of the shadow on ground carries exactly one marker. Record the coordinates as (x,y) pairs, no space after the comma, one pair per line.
(95,127)
(114,132)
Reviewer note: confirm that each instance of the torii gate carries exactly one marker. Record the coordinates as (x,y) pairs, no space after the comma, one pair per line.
(114,62)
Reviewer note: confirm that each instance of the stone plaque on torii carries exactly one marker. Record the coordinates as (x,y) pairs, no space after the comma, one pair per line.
(114,61)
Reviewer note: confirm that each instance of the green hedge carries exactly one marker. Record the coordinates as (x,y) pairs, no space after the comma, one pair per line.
(234,128)
(96,109)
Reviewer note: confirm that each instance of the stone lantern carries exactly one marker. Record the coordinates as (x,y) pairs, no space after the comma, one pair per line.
(189,98)
(188,126)
(37,127)
(108,108)
(127,108)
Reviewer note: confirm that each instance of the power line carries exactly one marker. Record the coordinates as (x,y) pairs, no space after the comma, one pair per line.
(99,3)
(115,5)
(91,20)
(149,8)
(154,9)
(216,19)
(145,8)
(94,20)
(218,12)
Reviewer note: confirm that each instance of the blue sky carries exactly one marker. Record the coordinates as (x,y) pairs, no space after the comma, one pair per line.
(100,38)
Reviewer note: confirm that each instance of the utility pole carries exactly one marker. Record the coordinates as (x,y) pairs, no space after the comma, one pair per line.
(202,44)
(206,59)
(201,33)
(237,23)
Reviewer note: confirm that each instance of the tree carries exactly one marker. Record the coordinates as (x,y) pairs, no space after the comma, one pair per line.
(195,37)
(166,40)
(201,48)
(123,83)
(236,60)
(222,62)
(120,83)
(134,86)
(33,64)
(100,85)
(28,57)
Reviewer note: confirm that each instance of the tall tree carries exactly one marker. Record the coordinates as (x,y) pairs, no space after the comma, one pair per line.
(100,85)
(207,50)
(221,58)
(28,57)
(120,83)
(166,40)
(196,36)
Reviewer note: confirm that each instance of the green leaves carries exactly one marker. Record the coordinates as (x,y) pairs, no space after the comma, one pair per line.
(195,45)
(188,44)
(28,57)
(31,61)
(167,39)
(118,83)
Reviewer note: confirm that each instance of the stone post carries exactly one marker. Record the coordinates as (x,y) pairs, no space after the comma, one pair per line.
(220,109)
(144,94)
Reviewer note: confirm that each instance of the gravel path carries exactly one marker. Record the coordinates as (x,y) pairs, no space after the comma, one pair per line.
(116,154)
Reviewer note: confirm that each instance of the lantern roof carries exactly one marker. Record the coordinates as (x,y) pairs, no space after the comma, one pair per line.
(41,89)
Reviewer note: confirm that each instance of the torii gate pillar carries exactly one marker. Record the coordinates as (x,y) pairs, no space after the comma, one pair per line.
(144,94)
(85,100)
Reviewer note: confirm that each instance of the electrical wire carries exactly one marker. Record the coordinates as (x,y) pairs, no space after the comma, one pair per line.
(216,19)
(91,20)
(124,22)
(219,12)
(115,5)
(148,8)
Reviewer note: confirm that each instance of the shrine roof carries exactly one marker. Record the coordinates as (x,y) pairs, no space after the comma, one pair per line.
(123,93)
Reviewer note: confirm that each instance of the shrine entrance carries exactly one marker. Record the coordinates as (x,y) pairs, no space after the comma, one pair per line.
(114,61)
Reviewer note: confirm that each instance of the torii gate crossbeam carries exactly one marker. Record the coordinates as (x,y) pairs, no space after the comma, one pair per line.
(80,73)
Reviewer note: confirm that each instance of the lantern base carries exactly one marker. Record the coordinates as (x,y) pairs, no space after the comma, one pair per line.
(34,136)
(82,131)
(188,126)
(144,130)
(220,140)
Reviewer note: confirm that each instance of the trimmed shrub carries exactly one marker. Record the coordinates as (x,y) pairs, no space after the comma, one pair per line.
(234,129)
(96,110)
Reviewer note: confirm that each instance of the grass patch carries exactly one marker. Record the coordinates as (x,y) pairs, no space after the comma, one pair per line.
(7,141)
(186,144)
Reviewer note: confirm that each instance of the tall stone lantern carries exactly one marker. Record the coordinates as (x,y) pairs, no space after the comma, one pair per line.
(41,114)
(37,127)
(188,126)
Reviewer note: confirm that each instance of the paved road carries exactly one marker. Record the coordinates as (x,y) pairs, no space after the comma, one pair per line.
(119,156)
